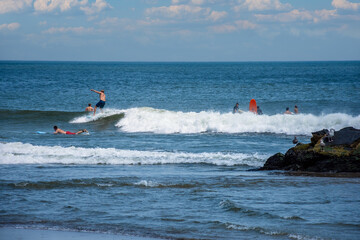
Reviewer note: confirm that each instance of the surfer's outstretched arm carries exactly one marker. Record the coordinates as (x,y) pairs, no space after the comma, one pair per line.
(95,91)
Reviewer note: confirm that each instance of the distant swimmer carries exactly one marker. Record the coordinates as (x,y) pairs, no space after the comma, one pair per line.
(296,110)
(60,131)
(89,108)
(236,108)
(102,101)
(295,141)
(259,112)
(287,111)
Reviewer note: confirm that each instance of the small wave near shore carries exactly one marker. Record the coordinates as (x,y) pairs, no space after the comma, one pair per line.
(24,153)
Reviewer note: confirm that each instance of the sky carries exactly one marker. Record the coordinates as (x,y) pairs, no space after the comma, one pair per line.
(180,30)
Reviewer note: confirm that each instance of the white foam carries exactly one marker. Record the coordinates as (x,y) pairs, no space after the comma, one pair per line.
(169,122)
(89,117)
(23,153)
(147,183)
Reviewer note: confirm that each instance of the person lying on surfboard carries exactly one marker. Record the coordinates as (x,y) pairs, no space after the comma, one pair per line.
(102,101)
(58,130)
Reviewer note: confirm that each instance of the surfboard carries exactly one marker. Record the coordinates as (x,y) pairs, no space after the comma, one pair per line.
(252,106)
(40,132)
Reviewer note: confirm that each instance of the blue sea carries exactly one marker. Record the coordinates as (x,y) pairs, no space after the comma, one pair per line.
(167,158)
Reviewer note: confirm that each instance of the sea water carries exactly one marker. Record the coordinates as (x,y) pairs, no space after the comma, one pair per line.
(167,158)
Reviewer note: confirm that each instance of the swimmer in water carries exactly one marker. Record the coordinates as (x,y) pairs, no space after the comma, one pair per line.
(89,108)
(296,110)
(287,111)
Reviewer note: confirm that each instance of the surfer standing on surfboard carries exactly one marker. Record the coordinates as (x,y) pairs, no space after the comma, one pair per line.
(102,101)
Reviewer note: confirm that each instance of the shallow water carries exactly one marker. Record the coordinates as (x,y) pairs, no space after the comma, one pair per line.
(167,158)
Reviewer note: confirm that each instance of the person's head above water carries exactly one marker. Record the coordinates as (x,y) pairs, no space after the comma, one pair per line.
(102,91)
(287,109)
(89,104)
(55,128)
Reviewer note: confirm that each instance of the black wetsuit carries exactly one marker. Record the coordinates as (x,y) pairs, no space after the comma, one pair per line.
(236,108)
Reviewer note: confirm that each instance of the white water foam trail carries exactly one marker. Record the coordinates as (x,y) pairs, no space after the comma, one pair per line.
(169,122)
(23,153)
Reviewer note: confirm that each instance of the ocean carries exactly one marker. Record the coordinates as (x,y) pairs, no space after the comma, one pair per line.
(167,158)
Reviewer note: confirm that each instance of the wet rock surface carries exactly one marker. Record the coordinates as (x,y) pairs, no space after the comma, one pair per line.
(339,153)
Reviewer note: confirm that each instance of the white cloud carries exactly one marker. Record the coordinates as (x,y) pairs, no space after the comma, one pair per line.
(187,12)
(244,24)
(261,5)
(296,15)
(51,5)
(344,4)
(215,15)
(178,11)
(224,28)
(109,21)
(65,5)
(291,16)
(236,26)
(197,2)
(11,26)
(324,14)
(77,30)
(13,5)
(96,7)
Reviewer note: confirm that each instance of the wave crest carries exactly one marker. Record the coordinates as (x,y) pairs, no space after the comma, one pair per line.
(24,153)
(170,122)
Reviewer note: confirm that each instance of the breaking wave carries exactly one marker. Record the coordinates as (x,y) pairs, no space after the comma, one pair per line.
(160,121)
(24,153)
(169,122)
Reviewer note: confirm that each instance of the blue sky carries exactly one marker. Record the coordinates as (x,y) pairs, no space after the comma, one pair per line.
(180,30)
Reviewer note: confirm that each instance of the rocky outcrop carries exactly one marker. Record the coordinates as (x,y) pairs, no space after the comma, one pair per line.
(327,152)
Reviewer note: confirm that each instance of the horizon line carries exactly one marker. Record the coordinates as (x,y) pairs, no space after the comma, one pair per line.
(142,61)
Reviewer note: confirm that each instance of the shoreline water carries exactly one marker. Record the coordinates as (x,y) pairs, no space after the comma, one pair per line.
(7,233)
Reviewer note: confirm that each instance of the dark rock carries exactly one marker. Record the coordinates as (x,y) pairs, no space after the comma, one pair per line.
(274,162)
(316,136)
(342,154)
(345,136)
